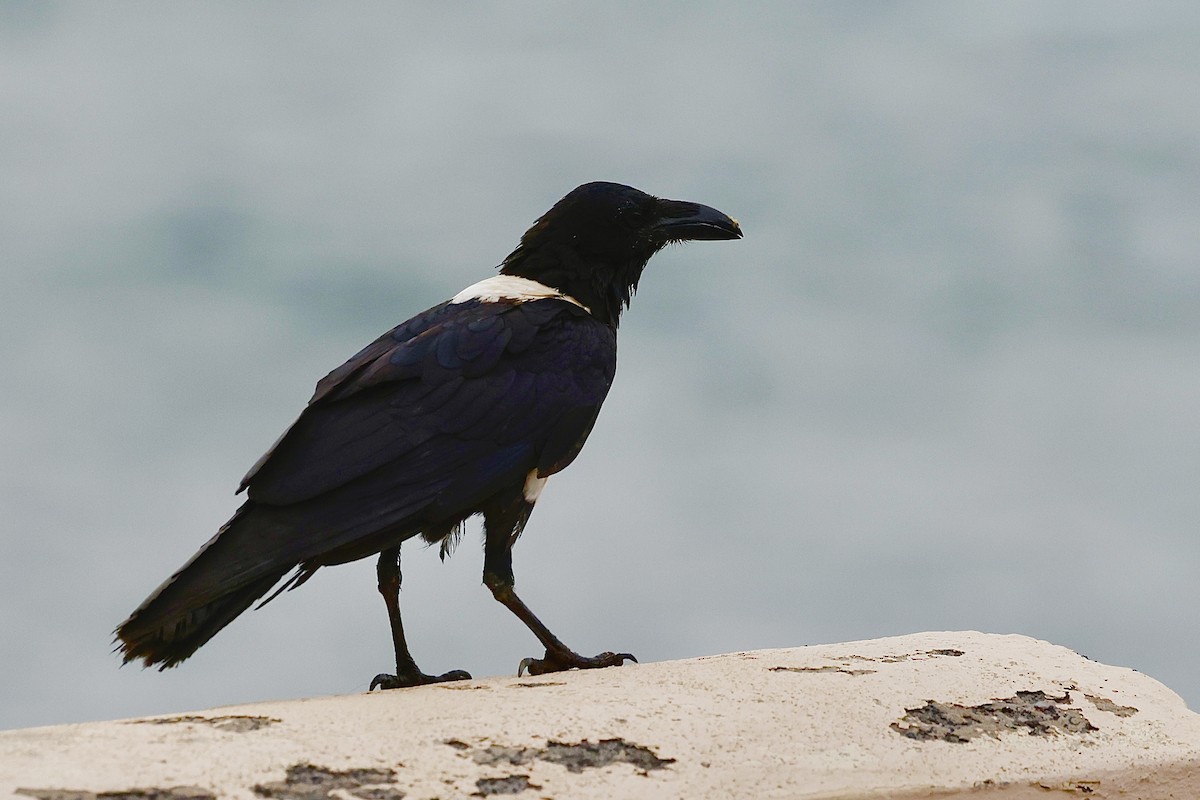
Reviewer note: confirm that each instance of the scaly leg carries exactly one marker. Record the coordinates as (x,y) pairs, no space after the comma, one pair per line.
(407,673)
(498,576)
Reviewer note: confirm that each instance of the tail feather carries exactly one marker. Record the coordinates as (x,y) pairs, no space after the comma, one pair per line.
(167,642)
(217,584)
(255,550)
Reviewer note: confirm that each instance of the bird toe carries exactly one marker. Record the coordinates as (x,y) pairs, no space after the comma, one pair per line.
(559,662)
(405,680)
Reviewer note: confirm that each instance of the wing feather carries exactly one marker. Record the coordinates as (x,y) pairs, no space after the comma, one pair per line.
(448,409)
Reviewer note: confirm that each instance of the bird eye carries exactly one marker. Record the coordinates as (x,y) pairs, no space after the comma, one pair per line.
(629,212)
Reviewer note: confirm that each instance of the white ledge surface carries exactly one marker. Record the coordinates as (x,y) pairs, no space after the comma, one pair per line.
(927,715)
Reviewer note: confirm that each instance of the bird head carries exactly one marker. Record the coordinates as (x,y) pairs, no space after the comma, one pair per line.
(595,242)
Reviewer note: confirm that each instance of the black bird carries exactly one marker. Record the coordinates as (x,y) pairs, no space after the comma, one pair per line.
(465,409)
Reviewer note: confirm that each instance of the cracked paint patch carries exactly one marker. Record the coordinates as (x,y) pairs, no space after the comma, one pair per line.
(234,723)
(310,782)
(575,757)
(1035,713)
(1071,787)
(826,668)
(538,684)
(916,655)
(1104,704)
(845,667)
(499,754)
(584,755)
(152,793)
(509,784)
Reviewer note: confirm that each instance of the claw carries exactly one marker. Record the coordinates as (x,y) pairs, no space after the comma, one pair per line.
(558,662)
(385,681)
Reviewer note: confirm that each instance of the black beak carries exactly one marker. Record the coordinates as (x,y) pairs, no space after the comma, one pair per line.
(680,221)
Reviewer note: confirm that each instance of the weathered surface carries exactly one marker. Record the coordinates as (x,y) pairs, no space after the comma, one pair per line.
(928,715)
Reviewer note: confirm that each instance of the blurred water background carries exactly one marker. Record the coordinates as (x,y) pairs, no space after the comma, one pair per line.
(949,380)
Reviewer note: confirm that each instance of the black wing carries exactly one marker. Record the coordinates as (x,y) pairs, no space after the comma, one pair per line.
(443,412)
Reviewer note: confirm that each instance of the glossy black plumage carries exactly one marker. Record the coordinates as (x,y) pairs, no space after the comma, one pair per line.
(456,412)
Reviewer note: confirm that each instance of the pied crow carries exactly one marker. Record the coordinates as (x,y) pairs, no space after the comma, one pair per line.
(467,408)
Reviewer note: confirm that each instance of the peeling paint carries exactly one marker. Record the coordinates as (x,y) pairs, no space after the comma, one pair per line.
(509,784)
(845,661)
(582,755)
(1104,704)
(1036,713)
(310,782)
(1071,787)
(172,793)
(826,668)
(538,684)
(576,757)
(916,655)
(236,723)
(500,754)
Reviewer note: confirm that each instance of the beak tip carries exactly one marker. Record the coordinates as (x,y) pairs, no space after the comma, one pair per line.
(693,221)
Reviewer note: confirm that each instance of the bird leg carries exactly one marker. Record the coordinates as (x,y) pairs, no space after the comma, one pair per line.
(407,673)
(498,576)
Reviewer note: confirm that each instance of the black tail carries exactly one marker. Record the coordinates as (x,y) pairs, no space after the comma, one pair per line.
(253,551)
(235,568)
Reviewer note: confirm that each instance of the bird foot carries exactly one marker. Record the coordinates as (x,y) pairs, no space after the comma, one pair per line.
(414,678)
(558,662)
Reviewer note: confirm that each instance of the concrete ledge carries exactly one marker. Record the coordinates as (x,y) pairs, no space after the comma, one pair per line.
(927,715)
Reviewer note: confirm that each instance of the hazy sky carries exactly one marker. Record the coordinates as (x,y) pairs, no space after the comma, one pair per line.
(947,381)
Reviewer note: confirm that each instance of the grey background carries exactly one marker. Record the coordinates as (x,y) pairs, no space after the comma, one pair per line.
(949,379)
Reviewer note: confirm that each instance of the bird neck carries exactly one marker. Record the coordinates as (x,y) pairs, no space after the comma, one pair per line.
(604,288)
